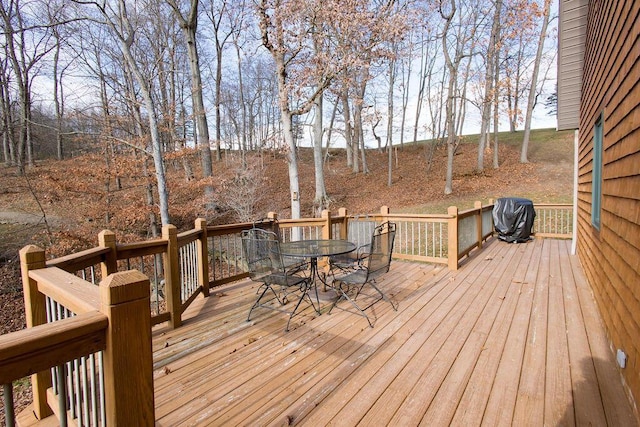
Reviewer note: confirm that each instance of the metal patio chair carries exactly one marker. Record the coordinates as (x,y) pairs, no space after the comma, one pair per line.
(375,264)
(273,225)
(264,261)
(359,233)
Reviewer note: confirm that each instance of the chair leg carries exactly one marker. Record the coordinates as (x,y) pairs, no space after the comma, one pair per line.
(304,289)
(345,289)
(280,295)
(344,295)
(382,295)
(257,303)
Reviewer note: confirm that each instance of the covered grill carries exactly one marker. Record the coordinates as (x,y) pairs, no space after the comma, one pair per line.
(513,219)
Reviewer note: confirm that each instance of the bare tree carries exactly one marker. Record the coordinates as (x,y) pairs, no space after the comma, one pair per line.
(490,90)
(288,51)
(534,81)
(463,41)
(122,28)
(8,143)
(26,44)
(189,23)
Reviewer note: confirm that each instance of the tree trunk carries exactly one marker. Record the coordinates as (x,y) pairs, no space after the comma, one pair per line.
(534,82)
(189,27)
(406,71)
(198,101)
(359,131)
(7,117)
(125,44)
(218,100)
(392,79)
(496,87)
(334,112)
(320,201)
(292,158)
(449,113)
(348,131)
(490,89)
(58,97)
(242,102)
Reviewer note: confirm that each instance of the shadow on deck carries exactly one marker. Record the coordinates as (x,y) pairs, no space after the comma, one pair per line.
(512,338)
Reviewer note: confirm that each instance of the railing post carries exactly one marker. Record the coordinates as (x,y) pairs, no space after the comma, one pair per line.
(326,227)
(128,361)
(203,256)
(452,252)
(344,227)
(492,204)
(478,205)
(273,217)
(107,239)
(172,275)
(384,211)
(33,258)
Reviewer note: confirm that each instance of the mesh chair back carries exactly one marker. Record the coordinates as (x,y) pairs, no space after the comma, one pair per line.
(360,233)
(379,257)
(262,253)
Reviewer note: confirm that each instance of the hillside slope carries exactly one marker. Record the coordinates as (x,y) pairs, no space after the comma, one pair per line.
(78,196)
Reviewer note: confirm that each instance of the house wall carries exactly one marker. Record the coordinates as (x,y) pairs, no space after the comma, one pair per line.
(611,255)
(572,27)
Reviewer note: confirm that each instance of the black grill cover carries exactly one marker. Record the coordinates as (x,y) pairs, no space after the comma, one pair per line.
(513,219)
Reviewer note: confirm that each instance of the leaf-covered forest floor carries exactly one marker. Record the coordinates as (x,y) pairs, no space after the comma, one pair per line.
(61,206)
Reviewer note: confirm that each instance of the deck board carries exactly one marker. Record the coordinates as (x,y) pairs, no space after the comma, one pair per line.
(511,338)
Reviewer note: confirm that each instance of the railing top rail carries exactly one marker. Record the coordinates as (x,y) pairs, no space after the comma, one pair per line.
(554,205)
(301,222)
(188,236)
(416,217)
(32,350)
(337,219)
(135,249)
(76,294)
(216,230)
(79,260)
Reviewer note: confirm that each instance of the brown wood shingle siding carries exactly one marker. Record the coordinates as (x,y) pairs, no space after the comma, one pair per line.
(611,256)
(572,28)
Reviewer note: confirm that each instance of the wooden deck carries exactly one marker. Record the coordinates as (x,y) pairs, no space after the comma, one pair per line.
(512,338)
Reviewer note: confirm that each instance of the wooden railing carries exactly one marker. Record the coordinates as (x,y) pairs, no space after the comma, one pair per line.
(87,348)
(553,221)
(176,269)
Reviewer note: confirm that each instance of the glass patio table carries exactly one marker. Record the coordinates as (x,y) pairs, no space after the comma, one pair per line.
(314,249)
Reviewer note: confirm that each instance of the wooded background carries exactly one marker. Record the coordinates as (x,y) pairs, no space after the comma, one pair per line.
(141,84)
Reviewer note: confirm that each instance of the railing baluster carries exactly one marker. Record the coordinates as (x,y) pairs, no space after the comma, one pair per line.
(68,390)
(220,255)
(85,388)
(194,267)
(62,395)
(92,390)
(182,273)
(441,240)
(156,283)
(103,410)
(237,253)
(187,267)
(9,414)
(412,231)
(227,252)
(77,392)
